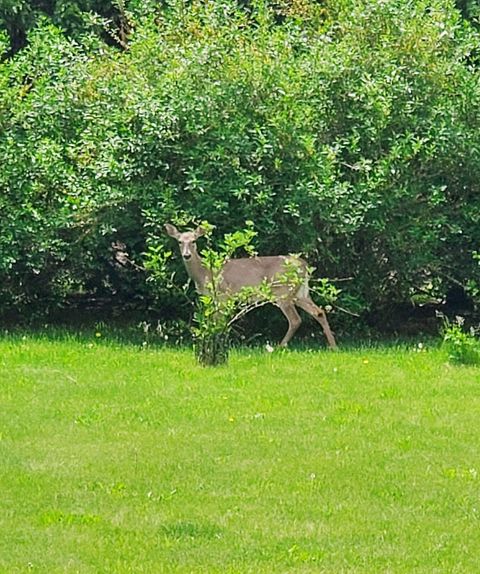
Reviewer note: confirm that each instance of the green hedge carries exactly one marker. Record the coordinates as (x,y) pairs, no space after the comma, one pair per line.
(353,138)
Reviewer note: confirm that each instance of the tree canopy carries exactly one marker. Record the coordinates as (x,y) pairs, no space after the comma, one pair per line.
(348,131)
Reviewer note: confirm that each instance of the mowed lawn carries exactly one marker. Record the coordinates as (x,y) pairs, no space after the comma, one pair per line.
(115,459)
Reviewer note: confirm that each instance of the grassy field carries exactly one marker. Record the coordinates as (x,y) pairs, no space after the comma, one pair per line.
(116,459)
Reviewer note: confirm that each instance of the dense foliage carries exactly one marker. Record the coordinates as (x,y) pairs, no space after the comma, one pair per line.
(348,131)
(109,19)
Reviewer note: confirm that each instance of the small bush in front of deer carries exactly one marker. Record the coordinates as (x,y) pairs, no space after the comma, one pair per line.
(215,317)
(217,309)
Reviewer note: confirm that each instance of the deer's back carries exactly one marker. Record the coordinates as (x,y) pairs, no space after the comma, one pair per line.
(252,271)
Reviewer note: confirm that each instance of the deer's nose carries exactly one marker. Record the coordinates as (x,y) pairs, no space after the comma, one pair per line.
(187,255)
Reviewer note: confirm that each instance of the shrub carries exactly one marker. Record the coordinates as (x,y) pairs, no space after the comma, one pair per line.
(351,137)
(463,348)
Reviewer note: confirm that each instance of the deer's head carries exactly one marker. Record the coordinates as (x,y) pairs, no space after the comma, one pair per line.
(186,240)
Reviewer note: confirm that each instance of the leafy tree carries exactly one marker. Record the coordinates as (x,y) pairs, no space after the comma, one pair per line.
(75,17)
(349,133)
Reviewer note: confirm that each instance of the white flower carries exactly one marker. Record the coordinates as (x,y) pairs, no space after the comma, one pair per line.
(269,348)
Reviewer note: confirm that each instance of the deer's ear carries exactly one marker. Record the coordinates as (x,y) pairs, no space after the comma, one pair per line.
(172,230)
(199,232)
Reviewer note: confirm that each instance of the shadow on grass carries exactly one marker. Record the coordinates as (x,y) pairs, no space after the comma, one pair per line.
(149,335)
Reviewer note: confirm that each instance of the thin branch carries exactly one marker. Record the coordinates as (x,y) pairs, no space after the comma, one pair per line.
(338,279)
(452,279)
(346,311)
(246,310)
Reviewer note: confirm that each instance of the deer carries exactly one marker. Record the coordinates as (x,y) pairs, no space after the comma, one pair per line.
(236,274)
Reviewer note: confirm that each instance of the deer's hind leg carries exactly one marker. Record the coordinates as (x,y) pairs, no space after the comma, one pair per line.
(319,315)
(294,321)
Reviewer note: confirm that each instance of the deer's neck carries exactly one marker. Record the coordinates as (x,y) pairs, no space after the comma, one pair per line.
(197,271)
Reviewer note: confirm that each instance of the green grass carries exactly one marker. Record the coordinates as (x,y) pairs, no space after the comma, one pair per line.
(116,459)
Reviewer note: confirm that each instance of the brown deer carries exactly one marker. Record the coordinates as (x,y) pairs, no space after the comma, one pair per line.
(253,271)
